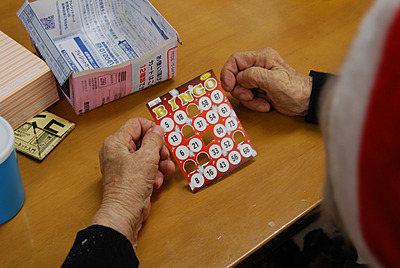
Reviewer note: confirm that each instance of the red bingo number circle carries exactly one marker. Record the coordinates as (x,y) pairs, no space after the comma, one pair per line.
(234,158)
(174,138)
(222,165)
(200,123)
(182,152)
(205,103)
(215,151)
(219,130)
(168,124)
(197,180)
(210,173)
(212,117)
(195,145)
(180,117)
(217,96)
(246,150)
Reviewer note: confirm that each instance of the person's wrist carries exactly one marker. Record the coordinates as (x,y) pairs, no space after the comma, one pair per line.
(115,214)
(307,95)
(305,101)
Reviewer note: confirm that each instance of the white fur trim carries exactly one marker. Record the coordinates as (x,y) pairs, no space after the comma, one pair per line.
(346,115)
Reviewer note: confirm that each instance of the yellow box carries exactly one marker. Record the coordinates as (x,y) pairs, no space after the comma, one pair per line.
(27,85)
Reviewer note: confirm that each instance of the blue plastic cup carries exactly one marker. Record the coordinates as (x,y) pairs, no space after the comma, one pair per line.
(12,193)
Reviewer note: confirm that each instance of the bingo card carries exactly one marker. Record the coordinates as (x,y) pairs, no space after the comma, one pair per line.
(202,130)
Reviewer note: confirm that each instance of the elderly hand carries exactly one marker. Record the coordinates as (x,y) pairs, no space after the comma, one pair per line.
(261,79)
(133,161)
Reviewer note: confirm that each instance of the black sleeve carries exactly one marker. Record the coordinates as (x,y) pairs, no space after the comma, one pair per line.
(100,246)
(319,80)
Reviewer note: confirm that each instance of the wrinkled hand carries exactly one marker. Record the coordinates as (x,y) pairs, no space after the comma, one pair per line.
(133,161)
(261,79)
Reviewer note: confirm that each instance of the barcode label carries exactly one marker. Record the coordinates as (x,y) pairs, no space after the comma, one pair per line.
(122,76)
(48,23)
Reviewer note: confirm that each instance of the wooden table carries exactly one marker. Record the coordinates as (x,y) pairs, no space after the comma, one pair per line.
(230,220)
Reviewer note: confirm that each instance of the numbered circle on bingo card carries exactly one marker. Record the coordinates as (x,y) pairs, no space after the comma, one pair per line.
(200,123)
(246,150)
(174,138)
(182,152)
(219,130)
(217,96)
(195,145)
(224,110)
(222,165)
(197,180)
(234,157)
(168,124)
(212,117)
(227,144)
(215,151)
(210,173)
(205,103)
(180,117)
(231,124)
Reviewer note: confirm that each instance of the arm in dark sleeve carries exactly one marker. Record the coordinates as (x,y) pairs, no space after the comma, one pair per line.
(100,246)
(319,80)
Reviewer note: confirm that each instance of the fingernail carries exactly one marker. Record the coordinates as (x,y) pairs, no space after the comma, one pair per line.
(245,97)
(159,130)
(166,151)
(225,87)
(263,108)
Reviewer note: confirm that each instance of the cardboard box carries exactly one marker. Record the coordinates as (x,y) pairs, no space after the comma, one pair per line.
(27,85)
(100,51)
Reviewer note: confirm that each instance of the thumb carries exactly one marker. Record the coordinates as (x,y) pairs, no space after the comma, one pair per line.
(153,140)
(254,77)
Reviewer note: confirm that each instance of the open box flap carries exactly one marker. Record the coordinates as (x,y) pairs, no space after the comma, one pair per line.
(72,37)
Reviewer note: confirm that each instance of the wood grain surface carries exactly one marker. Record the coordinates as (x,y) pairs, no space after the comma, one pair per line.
(225,223)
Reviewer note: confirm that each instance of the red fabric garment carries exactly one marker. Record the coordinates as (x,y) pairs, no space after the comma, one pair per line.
(379,158)
(360,118)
